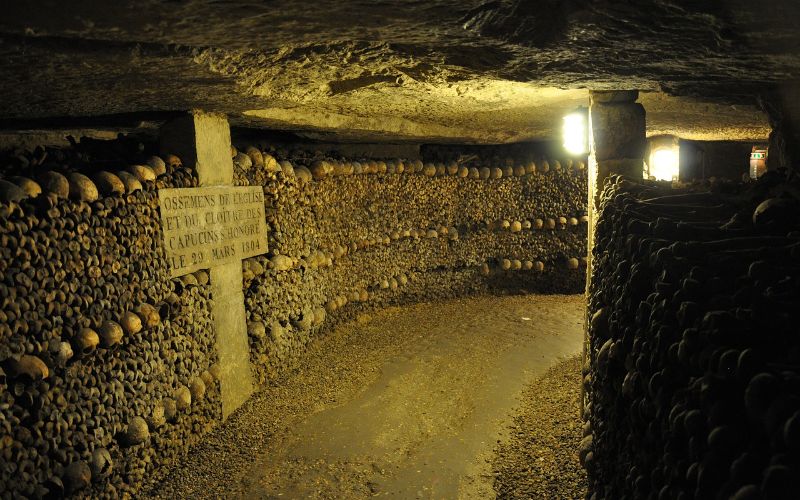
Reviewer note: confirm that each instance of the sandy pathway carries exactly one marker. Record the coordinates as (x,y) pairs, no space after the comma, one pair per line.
(407,403)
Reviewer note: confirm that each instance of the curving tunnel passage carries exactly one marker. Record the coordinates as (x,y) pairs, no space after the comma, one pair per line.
(407,402)
(431,249)
(315,314)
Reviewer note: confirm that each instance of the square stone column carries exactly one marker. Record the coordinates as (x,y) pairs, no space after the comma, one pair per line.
(617,137)
(617,140)
(203,141)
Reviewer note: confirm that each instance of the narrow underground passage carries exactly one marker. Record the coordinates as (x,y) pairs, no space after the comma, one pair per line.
(406,402)
(517,249)
(376,339)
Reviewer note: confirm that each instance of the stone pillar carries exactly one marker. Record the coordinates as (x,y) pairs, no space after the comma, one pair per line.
(233,348)
(203,141)
(617,136)
(617,141)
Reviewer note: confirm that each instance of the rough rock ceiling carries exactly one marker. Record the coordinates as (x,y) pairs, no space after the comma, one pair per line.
(495,71)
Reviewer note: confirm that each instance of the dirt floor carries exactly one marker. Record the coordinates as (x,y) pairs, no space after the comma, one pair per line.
(411,402)
(539,458)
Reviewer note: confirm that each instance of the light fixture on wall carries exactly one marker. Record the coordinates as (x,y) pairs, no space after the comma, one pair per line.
(575,132)
(663,158)
(665,163)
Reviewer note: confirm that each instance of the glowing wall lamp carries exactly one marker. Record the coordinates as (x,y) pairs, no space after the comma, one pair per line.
(663,160)
(664,163)
(576,132)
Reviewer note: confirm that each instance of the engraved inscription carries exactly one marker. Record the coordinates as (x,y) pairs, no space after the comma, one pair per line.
(211,225)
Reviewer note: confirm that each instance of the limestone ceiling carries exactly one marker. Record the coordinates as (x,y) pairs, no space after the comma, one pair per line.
(438,70)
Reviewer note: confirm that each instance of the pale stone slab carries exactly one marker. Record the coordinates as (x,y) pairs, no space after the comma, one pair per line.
(233,348)
(203,141)
(209,226)
(618,130)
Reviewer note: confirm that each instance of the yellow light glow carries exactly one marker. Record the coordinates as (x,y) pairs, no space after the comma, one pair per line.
(574,132)
(664,164)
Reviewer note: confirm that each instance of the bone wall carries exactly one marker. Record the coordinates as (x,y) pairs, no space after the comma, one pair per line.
(694,365)
(348,235)
(105,362)
(107,365)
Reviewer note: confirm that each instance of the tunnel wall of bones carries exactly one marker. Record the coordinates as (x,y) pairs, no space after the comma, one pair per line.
(106,364)
(351,234)
(694,368)
(108,367)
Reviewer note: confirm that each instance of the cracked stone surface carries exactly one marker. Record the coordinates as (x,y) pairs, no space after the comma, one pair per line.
(439,70)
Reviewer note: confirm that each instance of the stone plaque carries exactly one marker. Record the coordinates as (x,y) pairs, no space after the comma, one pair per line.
(209,226)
